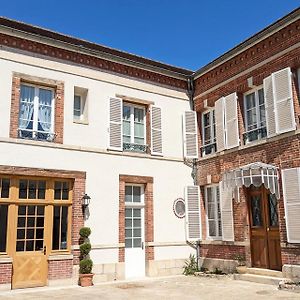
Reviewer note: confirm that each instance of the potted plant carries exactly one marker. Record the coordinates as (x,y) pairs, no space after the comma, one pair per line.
(85,264)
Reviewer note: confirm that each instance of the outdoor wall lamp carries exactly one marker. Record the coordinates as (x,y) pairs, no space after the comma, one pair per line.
(86,199)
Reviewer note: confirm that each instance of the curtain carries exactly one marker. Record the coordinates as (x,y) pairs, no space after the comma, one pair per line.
(45,110)
(26,107)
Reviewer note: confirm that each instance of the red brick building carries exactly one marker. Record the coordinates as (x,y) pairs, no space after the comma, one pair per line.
(247,104)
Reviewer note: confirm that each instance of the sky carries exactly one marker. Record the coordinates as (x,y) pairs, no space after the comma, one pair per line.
(183,33)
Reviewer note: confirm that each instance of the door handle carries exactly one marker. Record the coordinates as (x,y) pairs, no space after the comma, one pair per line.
(45,250)
(268,229)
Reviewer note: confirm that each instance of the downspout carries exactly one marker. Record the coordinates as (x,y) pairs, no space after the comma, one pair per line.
(191,92)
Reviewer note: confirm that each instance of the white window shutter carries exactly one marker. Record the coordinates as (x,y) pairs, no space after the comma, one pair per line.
(156,131)
(231,121)
(190,137)
(220,124)
(283,101)
(115,124)
(193,213)
(269,106)
(291,198)
(226,213)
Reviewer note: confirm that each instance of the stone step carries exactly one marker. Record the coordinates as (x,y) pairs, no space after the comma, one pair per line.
(264,272)
(258,278)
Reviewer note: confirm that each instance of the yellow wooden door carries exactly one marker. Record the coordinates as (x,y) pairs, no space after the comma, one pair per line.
(30,266)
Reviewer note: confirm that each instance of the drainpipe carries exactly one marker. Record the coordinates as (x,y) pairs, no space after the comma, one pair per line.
(191,92)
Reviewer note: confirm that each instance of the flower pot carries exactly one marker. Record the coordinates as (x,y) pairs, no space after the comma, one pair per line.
(86,280)
(241,269)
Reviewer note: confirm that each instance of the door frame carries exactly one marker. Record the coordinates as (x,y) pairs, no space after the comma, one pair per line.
(265,219)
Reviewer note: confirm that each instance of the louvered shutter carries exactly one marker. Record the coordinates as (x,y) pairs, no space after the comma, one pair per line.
(115,124)
(190,138)
(156,132)
(291,197)
(283,100)
(269,106)
(193,213)
(220,124)
(231,121)
(226,213)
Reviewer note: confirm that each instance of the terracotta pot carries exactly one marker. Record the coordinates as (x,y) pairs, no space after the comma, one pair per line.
(241,269)
(86,280)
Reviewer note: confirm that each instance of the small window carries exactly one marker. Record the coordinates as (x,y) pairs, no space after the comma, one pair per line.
(255,116)
(36,113)
(4,187)
(134,129)
(133,194)
(3,227)
(60,228)
(80,105)
(208,132)
(32,189)
(213,212)
(61,190)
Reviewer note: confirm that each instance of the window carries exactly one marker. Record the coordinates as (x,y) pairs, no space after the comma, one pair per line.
(255,118)
(36,113)
(134,209)
(60,228)
(80,107)
(213,212)
(134,129)
(3,227)
(208,132)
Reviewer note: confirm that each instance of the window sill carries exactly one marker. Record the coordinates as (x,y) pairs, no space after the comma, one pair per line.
(81,122)
(5,259)
(62,256)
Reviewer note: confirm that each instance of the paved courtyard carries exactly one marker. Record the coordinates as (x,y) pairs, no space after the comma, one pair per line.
(178,287)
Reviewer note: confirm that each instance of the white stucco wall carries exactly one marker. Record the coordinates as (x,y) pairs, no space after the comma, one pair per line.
(85,147)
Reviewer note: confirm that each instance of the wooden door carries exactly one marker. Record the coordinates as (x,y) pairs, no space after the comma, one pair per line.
(264,229)
(30,267)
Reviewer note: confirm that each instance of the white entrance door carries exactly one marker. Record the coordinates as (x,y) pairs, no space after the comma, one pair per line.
(134,232)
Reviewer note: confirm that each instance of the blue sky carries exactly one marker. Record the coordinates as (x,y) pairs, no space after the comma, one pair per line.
(186,33)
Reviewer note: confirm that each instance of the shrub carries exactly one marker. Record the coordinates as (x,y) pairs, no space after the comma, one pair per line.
(85,249)
(85,266)
(85,232)
(191,266)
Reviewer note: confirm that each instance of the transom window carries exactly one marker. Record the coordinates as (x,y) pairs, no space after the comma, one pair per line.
(134,129)
(208,132)
(255,116)
(213,212)
(36,114)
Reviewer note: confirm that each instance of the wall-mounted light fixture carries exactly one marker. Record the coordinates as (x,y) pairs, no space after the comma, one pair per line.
(86,199)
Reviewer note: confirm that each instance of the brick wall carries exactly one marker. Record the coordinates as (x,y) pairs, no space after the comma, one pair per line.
(60,269)
(5,273)
(259,61)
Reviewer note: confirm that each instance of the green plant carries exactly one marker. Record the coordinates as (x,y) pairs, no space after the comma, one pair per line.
(240,258)
(85,249)
(217,271)
(85,232)
(190,266)
(85,266)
